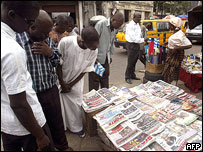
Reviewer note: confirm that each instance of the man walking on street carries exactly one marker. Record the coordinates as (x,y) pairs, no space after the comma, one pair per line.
(107,30)
(134,39)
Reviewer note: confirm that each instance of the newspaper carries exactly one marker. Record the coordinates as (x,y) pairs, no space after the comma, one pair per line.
(162,115)
(93,101)
(107,94)
(144,107)
(171,141)
(122,133)
(154,147)
(183,131)
(138,143)
(130,110)
(185,118)
(149,125)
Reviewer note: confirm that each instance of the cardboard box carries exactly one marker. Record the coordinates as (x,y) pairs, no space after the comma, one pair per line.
(154,68)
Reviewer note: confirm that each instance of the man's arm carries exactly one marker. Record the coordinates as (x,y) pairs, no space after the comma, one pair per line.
(25,115)
(76,80)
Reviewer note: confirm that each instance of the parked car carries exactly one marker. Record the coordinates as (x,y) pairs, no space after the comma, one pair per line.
(195,34)
(156,28)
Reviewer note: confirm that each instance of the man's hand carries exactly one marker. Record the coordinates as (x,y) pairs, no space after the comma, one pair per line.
(146,39)
(43,143)
(66,88)
(41,48)
(110,60)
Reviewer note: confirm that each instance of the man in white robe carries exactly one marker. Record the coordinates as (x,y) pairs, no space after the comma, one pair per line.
(78,57)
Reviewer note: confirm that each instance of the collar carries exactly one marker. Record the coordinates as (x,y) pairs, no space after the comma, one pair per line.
(108,22)
(8,30)
(135,23)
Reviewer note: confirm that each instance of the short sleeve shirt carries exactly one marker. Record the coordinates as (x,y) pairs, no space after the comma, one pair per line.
(15,79)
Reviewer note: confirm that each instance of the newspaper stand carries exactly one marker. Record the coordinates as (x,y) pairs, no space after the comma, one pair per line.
(90,123)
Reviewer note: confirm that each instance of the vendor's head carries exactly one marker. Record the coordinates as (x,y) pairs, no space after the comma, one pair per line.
(39,31)
(175,23)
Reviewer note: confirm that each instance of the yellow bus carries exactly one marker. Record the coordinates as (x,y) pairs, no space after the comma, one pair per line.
(155,28)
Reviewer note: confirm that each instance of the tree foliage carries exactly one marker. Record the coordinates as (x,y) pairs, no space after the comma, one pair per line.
(172,7)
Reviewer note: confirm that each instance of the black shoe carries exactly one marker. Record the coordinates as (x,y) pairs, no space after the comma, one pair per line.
(128,81)
(135,78)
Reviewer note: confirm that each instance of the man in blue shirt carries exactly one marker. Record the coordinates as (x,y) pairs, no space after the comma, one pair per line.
(42,58)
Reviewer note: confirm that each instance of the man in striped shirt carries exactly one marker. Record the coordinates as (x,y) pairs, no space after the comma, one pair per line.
(42,59)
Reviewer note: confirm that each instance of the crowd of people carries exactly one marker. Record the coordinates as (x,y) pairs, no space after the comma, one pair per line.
(43,64)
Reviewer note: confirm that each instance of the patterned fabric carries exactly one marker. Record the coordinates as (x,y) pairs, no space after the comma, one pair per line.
(99,69)
(172,66)
(40,67)
(56,37)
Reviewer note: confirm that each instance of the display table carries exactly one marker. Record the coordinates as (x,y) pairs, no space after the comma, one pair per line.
(193,81)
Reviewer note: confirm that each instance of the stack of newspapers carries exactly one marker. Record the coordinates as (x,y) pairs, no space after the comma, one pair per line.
(154,116)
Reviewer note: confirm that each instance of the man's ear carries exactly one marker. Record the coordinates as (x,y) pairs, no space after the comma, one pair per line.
(11,14)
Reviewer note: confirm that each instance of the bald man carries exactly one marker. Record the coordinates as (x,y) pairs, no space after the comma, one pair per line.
(107,30)
(42,58)
(134,38)
(78,57)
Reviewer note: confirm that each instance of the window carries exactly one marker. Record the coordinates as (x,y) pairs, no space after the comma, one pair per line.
(148,25)
(126,12)
(163,26)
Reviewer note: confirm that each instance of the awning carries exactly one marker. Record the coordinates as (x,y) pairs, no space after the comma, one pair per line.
(195,17)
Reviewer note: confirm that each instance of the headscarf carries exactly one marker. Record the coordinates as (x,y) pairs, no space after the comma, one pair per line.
(176,21)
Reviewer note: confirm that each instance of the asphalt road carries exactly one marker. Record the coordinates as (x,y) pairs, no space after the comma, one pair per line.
(118,67)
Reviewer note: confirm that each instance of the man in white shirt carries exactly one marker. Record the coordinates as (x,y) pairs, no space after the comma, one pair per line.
(23,124)
(133,37)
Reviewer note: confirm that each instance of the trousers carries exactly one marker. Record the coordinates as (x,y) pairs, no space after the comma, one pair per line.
(95,80)
(133,50)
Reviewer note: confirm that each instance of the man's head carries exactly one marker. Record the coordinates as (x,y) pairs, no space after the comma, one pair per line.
(19,15)
(90,38)
(117,20)
(70,25)
(137,17)
(61,23)
(39,31)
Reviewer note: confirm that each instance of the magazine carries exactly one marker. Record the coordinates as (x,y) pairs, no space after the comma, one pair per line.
(138,143)
(185,118)
(122,133)
(93,101)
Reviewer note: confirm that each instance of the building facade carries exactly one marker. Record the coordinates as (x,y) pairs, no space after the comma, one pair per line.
(82,11)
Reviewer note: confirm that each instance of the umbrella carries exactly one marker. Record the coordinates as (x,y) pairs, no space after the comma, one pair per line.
(183,17)
(195,17)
